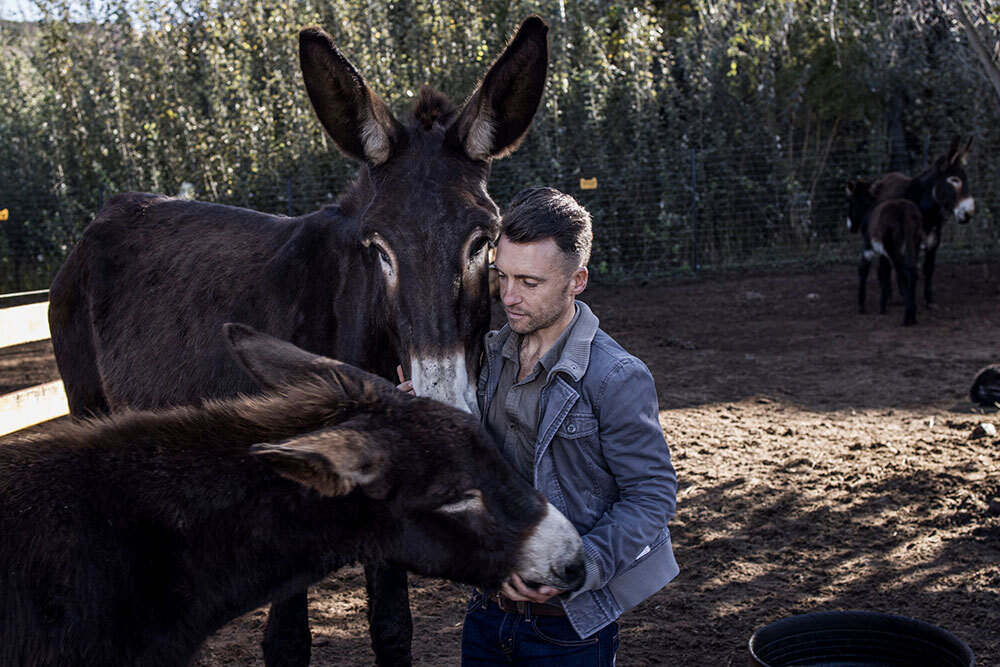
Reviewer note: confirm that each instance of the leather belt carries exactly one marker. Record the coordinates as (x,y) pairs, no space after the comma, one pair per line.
(526,608)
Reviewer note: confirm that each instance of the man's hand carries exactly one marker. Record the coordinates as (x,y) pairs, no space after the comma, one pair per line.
(517,590)
(405,386)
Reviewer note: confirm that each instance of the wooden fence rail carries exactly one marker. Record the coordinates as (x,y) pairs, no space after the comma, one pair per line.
(27,407)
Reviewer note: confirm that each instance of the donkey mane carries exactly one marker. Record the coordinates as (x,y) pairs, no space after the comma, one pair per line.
(220,427)
(433,107)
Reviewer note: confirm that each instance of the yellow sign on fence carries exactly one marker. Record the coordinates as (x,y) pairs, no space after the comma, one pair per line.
(4,214)
(588,183)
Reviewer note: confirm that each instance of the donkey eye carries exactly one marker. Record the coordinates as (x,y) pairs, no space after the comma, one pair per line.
(470,501)
(478,248)
(383,255)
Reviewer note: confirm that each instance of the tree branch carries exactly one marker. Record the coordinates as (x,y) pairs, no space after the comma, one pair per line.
(977,45)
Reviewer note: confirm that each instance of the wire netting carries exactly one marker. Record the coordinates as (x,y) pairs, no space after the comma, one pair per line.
(657,211)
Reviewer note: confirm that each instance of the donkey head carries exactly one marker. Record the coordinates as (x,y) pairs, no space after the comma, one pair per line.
(425,217)
(446,503)
(949,183)
(860,202)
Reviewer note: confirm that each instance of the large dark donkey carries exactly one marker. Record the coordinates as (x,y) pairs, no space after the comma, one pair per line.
(394,273)
(940,191)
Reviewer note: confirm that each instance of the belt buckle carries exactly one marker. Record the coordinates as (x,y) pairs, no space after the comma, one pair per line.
(522,607)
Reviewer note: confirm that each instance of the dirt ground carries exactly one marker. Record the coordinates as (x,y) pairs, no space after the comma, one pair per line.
(826,461)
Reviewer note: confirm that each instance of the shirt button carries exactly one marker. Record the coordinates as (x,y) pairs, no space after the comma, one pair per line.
(571,428)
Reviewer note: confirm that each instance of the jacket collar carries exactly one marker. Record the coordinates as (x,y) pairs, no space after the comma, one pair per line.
(576,354)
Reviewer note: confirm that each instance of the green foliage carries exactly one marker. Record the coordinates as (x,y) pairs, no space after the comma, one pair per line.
(780,101)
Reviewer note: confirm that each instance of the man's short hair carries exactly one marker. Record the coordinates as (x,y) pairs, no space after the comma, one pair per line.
(539,213)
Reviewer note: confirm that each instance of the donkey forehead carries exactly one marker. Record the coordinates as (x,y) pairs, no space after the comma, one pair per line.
(447,227)
(411,208)
(428,160)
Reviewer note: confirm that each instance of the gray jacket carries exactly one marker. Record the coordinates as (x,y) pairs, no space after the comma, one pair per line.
(601,459)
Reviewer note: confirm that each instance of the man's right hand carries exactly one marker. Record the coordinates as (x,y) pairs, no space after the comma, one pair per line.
(405,386)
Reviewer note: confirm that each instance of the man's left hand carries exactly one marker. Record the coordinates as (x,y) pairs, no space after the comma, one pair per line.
(515,589)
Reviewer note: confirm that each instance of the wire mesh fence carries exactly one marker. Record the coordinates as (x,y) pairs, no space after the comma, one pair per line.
(657,212)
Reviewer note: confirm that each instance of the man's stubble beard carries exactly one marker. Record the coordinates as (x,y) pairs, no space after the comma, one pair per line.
(533,324)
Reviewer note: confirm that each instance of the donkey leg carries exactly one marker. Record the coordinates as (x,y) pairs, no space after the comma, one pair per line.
(908,277)
(389,620)
(901,284)
(287,640)
(930,257)
(884,283)
(863,267)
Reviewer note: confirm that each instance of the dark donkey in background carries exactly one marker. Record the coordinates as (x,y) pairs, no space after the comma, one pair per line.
(892,230)
(128,540)
(940,191)
(394,273)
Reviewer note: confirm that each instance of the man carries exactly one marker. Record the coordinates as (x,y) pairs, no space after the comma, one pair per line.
(576,415)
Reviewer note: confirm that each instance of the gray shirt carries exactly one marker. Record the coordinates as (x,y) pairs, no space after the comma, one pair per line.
(512,418)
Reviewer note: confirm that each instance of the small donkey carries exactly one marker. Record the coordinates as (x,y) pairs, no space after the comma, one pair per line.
(891,230)
(127,541)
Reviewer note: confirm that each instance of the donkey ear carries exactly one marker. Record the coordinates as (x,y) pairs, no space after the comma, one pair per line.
(857,187)
(498,114)
(272,362)
(963,155)
(333,461)
(354,116)
(951,157)
(276,363)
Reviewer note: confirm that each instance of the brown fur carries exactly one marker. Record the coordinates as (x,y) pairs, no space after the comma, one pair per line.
(934,197)
(128,540)
(136,310)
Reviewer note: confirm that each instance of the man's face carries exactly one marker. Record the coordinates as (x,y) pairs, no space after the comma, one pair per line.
(536,286)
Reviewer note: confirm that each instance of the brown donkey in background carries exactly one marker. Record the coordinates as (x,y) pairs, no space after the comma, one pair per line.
(939,192)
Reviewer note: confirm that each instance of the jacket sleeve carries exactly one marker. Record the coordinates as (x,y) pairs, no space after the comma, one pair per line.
(637,456)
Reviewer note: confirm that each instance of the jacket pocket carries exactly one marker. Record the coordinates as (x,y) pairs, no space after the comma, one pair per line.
(577,425)
(557,630)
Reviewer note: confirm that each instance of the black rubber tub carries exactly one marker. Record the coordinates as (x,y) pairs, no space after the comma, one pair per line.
(844,638)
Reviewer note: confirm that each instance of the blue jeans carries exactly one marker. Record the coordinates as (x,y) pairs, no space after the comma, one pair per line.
(492,636)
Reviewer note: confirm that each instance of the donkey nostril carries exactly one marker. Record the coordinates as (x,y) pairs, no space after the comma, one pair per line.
(574,574)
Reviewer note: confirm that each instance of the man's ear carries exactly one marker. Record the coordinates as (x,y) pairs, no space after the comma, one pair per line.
(334,461)
(578,281)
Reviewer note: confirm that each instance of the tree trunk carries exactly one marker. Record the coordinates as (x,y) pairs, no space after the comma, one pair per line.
(977,45)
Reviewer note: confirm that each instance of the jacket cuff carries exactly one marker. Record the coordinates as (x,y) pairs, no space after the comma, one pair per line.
(595,573)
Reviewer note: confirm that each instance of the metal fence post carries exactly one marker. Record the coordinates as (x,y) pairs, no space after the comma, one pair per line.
(694,217)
